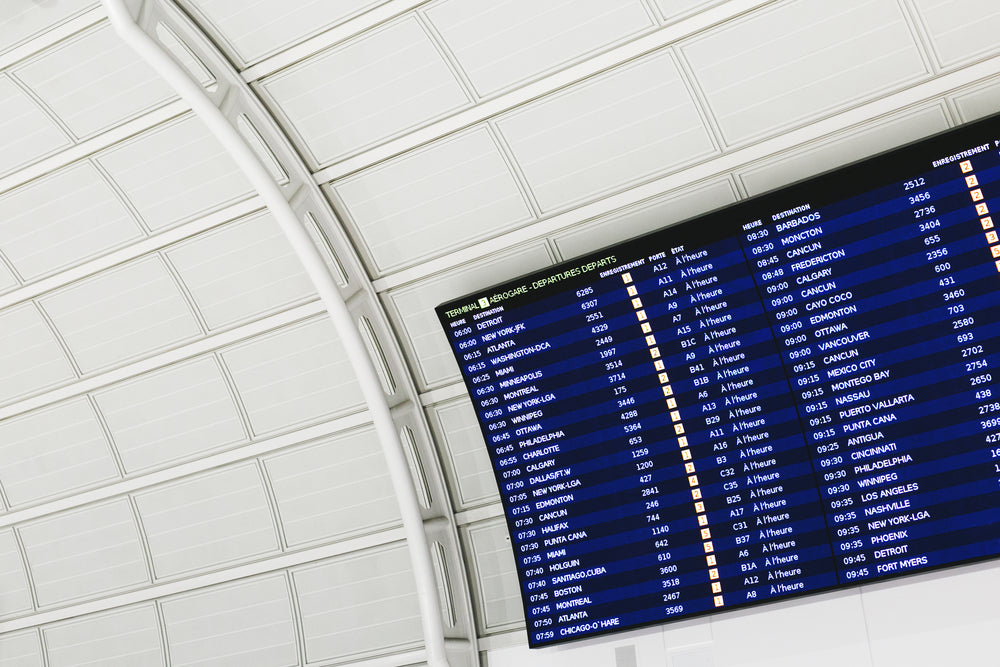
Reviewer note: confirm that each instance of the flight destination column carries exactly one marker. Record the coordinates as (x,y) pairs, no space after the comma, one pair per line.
(884,310)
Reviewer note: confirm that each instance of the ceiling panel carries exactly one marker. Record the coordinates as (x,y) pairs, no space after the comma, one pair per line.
(464,454)
(254,29)
(207,521)
(85,552)
(333,489)
(54,451)
(7,279)
(30,357)
(978,102)
(608,132)
(849,146)
(366,91)
(246,624)
(673,9)
(62,220)
(94,81)
(175,173)
(240,271)
(24,19)
(645,217)
(359,605)
(28,132)
(501,42)
(963,31)
(177,413)
(494,576)
(122,313)
(122,638)
(411,308)
(431,201)
(296,375)
(21,649)
(15,598)
(816,59)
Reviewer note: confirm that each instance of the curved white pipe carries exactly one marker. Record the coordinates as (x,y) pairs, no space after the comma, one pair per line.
(298,237)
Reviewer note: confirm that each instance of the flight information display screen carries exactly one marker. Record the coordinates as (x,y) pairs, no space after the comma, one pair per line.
(795,393)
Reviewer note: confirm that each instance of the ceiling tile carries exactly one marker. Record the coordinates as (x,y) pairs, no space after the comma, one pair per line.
(30,357)
(62,220)
(333,489)
(296,375)
(120,638)
(120,314)
(607,132)
(241,271)
(177,413)
(466,460)
(54,451)
(431,201)
(246,624)
(94,81)
(176,173)
(358,606)
(24,19)
(28,132)
(501,42)
(672,9)
(494,576)
(93,550)
(21,649)
(214,519)
(795,61)
(961,32)
(365,91)
(15,598)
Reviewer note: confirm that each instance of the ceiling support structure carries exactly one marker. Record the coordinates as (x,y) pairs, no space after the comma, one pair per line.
(298,237)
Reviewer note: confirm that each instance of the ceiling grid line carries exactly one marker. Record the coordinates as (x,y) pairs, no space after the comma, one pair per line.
(109,437)
(272,505)
(147,553)
(234,395)
(185,292)
(28,575)
(57,335)
(161,630)
(53,117)
(700,100)
(921,37)
(515,169)
(123,198)
(300,633)
(447,55)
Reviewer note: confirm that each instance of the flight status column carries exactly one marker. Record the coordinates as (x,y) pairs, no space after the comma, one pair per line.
(880,305)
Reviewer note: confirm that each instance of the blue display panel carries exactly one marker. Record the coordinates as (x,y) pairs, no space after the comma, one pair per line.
(789,395)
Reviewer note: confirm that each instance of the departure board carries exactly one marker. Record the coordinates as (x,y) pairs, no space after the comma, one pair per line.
(788,395)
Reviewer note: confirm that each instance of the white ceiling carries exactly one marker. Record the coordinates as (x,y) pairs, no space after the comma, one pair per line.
(187,471)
